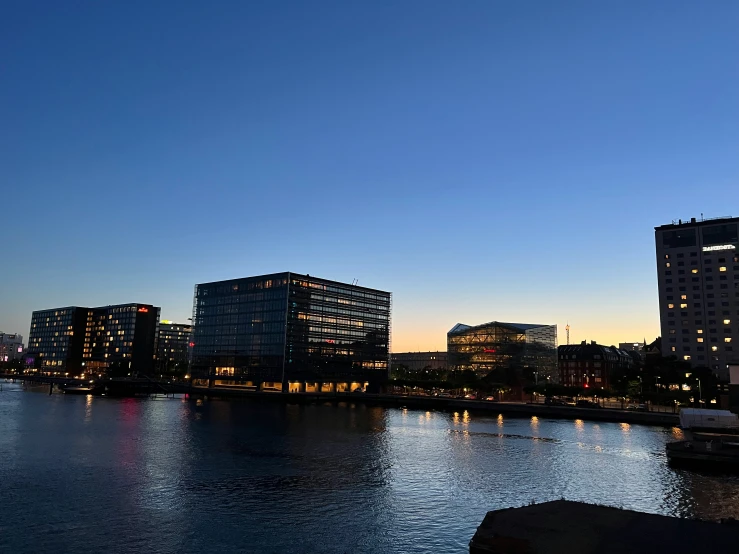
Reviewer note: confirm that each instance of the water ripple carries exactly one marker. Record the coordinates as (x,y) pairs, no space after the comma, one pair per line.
(94,475)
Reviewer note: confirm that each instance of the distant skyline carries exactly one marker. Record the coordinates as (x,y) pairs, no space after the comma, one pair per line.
(482,161)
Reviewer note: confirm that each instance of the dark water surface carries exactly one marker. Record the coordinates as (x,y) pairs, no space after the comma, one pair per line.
(83,474)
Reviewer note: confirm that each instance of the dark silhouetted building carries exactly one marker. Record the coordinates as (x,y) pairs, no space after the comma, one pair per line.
(418,361)
(11,347)
(510,349)
(698,276)
(293,332)
(591,365)
(632,346)
(77,340)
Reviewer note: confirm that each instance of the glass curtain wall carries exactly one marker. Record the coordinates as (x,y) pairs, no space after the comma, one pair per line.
(336,332)
(239,330)
(504,347)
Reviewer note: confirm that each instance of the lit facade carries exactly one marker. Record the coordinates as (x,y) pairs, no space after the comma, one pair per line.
(293,332)
(510,349)
(56,340)
(698,278)
(77,340)
(591,365)
(173,342)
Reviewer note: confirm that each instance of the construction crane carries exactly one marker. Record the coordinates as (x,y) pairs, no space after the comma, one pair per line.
(567,330)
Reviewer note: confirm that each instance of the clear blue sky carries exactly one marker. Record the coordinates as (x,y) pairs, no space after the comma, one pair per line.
(482,160)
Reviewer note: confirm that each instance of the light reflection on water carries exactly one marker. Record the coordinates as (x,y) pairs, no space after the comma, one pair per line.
(96,474)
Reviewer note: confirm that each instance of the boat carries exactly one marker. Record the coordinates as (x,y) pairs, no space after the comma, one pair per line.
(697,420)
(706,450)
(712,440)
(78,390)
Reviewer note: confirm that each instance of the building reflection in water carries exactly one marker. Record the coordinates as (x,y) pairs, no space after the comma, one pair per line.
(241,476)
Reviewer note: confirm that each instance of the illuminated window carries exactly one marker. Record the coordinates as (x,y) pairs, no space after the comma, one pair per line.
(672,348)
(722,268)
(667,256)
(686,357)
(670,306)
(683,297)
(727,339)
(714,348)
(699,331)
(694,271)
(700,339)
(727,321)
(667,264)
(683,305)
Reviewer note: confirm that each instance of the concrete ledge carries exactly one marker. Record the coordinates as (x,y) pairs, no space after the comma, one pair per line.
(574,527)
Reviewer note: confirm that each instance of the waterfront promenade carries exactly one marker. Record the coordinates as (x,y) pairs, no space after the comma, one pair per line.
(515,409)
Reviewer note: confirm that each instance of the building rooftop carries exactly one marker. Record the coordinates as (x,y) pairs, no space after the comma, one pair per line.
(592,346)
(563,526)
(459,327)
(695,222)
(293,274)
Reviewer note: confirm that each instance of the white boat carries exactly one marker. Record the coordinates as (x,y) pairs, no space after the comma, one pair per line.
(717,421)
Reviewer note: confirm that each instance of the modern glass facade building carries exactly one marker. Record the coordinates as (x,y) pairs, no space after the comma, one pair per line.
(78,340)
(288,331)
(507,348)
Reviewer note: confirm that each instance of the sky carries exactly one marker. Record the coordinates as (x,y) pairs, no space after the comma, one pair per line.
(482,160)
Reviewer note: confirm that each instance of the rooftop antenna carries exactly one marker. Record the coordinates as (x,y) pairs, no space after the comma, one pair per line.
(702,217)
(567,329)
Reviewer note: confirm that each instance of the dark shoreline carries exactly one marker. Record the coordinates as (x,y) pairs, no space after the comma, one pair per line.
(512,409)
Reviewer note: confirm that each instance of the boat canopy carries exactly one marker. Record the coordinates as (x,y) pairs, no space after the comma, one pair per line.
(699,417)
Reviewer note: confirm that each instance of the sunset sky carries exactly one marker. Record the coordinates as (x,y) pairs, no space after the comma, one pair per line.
(480,160)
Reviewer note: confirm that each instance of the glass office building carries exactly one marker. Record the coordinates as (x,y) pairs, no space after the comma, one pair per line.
(293,332)
(507,348)
(79,340)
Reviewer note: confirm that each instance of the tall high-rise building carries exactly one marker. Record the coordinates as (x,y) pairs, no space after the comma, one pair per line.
(174,339)
(698,276)
(293,332)
(56,339)
(77,340)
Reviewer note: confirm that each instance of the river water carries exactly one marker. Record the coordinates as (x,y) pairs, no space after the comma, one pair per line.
(84,474)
